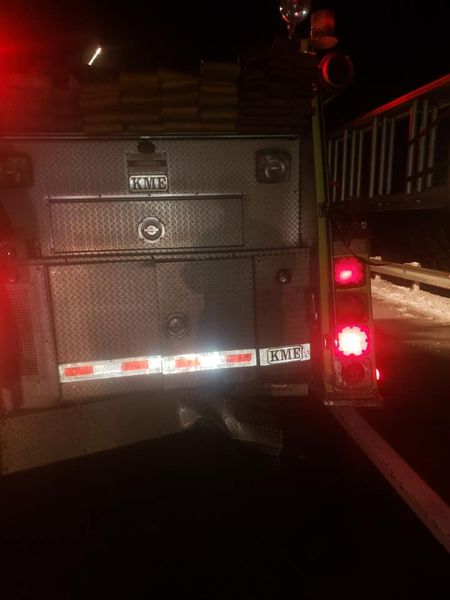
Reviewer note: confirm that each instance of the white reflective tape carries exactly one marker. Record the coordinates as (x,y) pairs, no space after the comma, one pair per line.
(205,361)
(284,354)
(104,369)
(182,363)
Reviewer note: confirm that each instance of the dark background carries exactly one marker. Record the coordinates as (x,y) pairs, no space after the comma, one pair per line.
(395,45)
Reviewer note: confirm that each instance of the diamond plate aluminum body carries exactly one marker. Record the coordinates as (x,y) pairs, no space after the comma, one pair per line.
(226,237)
(281,310)
(120,309)
(105,311)
(225,166)
(98,226)
(34,339)
(281,307)
(216,297)
(44,437)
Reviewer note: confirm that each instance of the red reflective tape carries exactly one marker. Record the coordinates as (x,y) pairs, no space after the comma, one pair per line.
(187,363)
(134,365)
(239,358)
(77,371)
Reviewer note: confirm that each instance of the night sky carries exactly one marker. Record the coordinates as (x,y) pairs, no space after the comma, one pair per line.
(395,45)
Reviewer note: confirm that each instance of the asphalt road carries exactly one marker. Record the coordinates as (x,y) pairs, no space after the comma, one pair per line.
(413,355)
(198,514)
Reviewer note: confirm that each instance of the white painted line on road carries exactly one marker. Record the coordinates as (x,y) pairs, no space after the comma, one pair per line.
(428,506)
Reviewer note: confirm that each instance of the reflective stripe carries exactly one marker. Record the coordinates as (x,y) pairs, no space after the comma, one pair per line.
(187,363)
(239,358)
(78,371)
(104,369)
(183,363)
(135,365)
(206,361)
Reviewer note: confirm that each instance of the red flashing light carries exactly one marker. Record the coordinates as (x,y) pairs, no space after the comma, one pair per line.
(353,340)
(349,271)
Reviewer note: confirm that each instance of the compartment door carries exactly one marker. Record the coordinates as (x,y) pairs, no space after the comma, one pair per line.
(106,325)
(206,307)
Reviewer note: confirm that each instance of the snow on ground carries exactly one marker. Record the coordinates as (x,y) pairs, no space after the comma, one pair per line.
(411,302)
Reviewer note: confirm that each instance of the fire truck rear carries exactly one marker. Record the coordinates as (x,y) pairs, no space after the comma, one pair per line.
(149,279)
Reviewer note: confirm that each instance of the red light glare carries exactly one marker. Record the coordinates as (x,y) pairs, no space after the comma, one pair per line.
(348,270)
(353,341)
(377,374)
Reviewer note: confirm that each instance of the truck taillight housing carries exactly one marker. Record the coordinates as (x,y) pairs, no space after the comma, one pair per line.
(354,361)
(352,308)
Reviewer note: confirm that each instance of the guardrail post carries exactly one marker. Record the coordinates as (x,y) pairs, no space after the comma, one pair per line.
(415,285)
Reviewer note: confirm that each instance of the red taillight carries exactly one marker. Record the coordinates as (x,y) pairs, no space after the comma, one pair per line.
(353,340)
(349,271)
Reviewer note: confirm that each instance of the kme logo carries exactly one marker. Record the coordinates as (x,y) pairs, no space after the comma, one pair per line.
(147,183)
(272,356)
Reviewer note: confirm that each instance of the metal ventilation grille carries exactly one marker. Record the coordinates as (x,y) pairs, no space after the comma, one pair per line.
(21,307)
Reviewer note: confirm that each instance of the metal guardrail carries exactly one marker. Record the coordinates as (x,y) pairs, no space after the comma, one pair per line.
(395,157)
(439,279)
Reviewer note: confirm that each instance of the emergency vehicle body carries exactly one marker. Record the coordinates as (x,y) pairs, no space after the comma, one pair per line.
(149,272)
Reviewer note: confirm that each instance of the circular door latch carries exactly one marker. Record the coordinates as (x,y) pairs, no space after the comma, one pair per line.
(284,276)
(177,325)
(151,229)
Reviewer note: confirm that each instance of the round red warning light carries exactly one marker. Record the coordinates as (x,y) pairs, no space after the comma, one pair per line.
(349,271)
(353,340)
